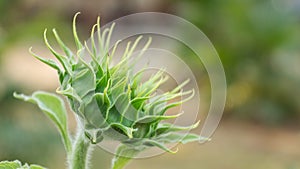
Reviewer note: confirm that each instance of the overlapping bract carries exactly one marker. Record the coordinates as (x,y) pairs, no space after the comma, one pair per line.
(111,100)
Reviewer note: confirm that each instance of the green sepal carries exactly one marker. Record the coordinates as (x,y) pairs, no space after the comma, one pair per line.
(180,138)
(168,127)
(159,145)
(83,81)
(156,118)
(77,41)
(127,130)
(95,137)
(48,62)
(62,59)
(67,51)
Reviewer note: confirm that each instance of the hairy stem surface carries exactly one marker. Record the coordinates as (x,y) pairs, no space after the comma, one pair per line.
(81,149)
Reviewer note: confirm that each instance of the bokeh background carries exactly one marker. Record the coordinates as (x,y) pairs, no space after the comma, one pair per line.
(258,43)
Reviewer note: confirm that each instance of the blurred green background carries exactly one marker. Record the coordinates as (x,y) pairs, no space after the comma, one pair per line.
(258,43)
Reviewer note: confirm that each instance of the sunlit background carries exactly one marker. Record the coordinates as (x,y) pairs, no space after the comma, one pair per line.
(258,43)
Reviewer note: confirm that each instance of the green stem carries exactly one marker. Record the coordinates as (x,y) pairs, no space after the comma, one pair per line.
(122,164)
(123,156)
(81,148)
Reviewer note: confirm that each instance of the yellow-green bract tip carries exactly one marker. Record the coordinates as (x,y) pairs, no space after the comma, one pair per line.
(78,43)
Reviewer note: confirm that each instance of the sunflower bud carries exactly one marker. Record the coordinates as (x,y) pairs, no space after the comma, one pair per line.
(111,101)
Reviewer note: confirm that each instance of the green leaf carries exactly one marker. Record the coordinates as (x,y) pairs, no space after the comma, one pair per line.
(123,155)
(53,106)
(10,164)
(17,165)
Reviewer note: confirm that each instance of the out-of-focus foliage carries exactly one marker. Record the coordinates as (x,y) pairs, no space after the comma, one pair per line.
(20,21)
(21,138)
(258,42)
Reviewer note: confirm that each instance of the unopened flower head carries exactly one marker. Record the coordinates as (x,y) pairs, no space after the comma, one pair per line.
(112,101)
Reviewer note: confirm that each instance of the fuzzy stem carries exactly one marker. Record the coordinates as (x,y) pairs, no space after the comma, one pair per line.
(81,149)
(123,156)
(122,164)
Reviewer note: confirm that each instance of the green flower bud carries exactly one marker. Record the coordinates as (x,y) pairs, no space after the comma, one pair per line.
(111,101)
